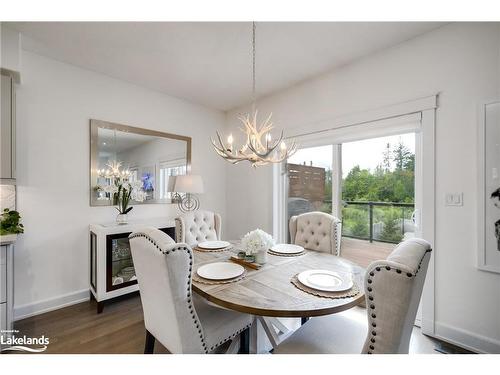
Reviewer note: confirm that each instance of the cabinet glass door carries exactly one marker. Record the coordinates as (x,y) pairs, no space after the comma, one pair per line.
(120,270)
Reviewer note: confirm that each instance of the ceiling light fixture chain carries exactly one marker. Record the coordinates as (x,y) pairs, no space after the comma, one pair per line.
(259,149)
(254,79)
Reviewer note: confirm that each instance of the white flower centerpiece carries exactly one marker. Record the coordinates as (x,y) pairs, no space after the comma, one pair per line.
(256,243)
(123,192)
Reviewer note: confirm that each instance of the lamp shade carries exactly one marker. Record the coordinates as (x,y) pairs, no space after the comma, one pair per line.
(188,183)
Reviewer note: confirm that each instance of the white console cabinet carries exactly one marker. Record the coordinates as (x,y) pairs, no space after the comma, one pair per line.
(112,271)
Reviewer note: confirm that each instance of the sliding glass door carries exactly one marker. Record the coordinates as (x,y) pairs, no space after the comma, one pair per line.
(309,173)
(374,176)
(378,188)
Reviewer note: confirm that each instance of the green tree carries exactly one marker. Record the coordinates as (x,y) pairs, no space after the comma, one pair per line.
(401,157)
(386,158)
(357,184)
(328,185)
(383,184)
(391,231)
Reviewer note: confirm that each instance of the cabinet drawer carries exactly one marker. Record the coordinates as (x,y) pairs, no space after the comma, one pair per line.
(3,283)
(3,316)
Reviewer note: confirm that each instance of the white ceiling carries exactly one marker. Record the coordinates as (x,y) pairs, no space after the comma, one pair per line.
(210,62)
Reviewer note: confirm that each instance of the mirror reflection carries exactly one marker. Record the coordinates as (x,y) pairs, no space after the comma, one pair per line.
(146,159)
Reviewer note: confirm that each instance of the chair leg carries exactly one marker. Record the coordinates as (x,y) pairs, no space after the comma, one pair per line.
(303,320)
(245,342)
(150,343)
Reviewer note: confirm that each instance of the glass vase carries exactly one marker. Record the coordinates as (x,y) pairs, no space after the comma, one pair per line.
(122,219)
(261,256)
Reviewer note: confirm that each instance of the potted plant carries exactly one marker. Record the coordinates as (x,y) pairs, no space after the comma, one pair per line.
(256,243)
(9,223)
(123,193)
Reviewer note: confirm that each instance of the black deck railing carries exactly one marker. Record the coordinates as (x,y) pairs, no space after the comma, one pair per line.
(395,220)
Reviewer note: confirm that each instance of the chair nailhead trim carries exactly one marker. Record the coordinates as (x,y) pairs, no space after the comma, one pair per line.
(229,338)
(370,297)
(188,295)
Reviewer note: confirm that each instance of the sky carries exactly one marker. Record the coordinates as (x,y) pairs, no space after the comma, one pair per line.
(366,153)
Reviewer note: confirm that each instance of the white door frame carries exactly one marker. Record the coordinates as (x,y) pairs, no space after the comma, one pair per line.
(334,132)
(427,222)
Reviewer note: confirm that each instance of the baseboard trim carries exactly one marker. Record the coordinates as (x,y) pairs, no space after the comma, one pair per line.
(466,339)
(43,306)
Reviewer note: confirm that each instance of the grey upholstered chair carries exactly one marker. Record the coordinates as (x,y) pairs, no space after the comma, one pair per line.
(175,317)
(316,231)
(198,226)
(393,289)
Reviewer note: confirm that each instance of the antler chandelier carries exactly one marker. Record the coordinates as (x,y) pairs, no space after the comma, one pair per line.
(259,148)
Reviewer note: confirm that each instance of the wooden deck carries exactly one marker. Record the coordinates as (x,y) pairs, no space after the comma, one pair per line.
(363,252)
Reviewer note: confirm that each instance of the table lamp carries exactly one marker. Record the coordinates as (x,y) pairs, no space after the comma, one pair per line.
(188,184)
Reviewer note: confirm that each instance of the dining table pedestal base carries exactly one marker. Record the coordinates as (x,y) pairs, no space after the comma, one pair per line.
(272,328)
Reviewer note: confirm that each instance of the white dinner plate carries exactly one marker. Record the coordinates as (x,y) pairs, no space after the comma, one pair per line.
(213,245)
(284,248)
(220,271)
(328,281)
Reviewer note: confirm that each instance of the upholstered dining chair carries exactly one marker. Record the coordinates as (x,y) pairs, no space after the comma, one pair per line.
(197,226)
(393,288)
(316,231)
(175,317)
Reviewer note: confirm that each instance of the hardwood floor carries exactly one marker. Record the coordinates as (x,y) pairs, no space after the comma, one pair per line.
(119,329)
(79,329)
(363,252)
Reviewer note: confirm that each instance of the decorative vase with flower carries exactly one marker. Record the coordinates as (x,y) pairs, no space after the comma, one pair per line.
(256,243)
(123,192)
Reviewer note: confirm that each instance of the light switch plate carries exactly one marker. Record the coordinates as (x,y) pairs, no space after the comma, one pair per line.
(454,199)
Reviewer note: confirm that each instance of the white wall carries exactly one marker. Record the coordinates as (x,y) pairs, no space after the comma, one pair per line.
(10,47)
(54,105)
(461,63)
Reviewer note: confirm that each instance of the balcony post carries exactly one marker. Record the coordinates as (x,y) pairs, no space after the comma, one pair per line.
(403,220)
(370,207)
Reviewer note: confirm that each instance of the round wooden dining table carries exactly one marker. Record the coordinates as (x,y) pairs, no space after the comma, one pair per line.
(268,292)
